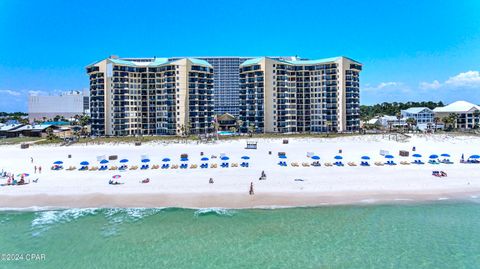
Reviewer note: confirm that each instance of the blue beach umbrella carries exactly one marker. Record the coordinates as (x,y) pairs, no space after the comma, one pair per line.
(166,160)
(204,159)
(365,158)
(416,155)
(389,156)
(315,157)
(245,158)
(475,157)
(224,158)
(124,161)
(338,157)
(84,163)
(58,162)
(433,156)
(282,156)
(145,160)
(445,155)
(104,161)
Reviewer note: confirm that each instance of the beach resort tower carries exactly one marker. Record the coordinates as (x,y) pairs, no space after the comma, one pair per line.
(151,96)
(281,96)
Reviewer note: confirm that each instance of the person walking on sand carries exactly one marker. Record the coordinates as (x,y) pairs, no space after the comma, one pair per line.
(31,159)
(39,169)
(210,181)
(35,169)
(251,192)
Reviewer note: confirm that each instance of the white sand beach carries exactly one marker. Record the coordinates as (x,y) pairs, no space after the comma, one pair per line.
(190,187)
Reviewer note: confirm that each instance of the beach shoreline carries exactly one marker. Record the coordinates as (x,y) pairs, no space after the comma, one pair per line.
(227,200)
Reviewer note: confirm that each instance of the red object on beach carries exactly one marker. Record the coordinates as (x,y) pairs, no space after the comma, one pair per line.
(116,176)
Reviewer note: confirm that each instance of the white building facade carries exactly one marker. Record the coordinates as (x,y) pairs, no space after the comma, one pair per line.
(67,105)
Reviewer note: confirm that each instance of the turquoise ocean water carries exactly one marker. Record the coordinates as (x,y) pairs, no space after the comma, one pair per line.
(439,235)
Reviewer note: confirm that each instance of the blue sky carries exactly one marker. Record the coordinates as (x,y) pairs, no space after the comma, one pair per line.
(417,50)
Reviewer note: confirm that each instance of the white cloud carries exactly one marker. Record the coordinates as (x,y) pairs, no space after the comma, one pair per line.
(465,79)
(10,92)
(35,93)
(430,86)
(387,86)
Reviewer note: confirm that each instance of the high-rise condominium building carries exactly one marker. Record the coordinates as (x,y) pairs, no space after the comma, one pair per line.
(300,96)
(151,96)
(226,81)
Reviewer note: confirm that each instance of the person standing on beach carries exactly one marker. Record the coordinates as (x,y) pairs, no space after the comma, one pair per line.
(35,169)
(39,169)
(251,192)
(31,159)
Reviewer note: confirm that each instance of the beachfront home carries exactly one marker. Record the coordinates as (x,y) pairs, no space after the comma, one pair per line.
(278,96)
(392,121)
(466,115)
(9,130)
(226,122)
(422,115)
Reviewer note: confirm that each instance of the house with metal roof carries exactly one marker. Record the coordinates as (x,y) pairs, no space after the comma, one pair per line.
(467,114)
(423,116)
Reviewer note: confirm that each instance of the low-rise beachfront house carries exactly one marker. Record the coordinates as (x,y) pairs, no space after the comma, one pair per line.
(226,122)
(392,121)
(9,130)
(459,114)
(422,115)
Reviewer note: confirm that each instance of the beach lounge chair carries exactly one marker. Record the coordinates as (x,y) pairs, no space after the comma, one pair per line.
(352,164)
(338,164)
(417,162)
(204,165)
(183,166)
(71,168)
(390,163)
(234,164)
(328,164)
(244,164)
(123,167)
(378,164)
(193,166)
(103,168)
(155,166)
(93,168)
(294,164)
(305,165)
(214,165)
(83,168)
(134,167)
(113,168)
(364,163)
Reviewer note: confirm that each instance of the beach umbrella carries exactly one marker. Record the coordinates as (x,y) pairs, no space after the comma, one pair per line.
(416,155)
(475,157)
(23,174)
(315,157)
(365,158)
(166,160)
(116,176)
(204,159)
(245,158)
(58,162)
(124,161)
(104,161)
(282,156)
(389,156)
(445,155)
(145,160)
(184,159)
(433,156)
(224,158)
(338,157)
(84,163)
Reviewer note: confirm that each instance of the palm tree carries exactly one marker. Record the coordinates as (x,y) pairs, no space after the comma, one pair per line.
(411,122)
(436,120)
(453,119)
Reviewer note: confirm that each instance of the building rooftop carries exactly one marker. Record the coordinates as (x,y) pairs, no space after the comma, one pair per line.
(458,106)
(415,110)
(298,62)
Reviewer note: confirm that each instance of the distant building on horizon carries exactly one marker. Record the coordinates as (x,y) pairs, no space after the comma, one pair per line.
(66,104)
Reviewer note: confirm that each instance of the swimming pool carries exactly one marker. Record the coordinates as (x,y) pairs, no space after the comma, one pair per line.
(225,133)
